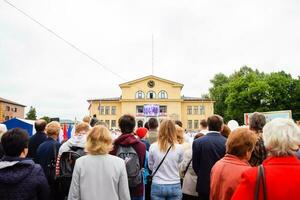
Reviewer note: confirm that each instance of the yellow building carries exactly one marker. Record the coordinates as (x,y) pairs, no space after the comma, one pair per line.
(152,96)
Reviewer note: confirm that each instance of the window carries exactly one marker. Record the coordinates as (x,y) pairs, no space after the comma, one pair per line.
(196,110)
(7,108)
(202,110)
(163,109)
(107,110)
(101,110)
(189,110)
(16,109)
(113,110)
(6,118)
(107,122)
(139,95)
(151,95)
(196,124)
(113,123)
(140,109)
(190,124)
(162,95)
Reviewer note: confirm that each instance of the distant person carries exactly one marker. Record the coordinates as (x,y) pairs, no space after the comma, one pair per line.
(101,123)
(20,178)
(256,123)
(166,180)
(281,169)
(225,131)
(178,122)
(94,120)
(90,183)
(38,138)
(142,133)
(86,119)
(46,156)
(129,148)
(226,174)
(152,134)
(189,176)
(203,126)
(3,129)
(207,150)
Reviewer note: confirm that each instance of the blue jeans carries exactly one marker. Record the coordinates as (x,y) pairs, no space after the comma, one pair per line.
(166,191)
(137,198)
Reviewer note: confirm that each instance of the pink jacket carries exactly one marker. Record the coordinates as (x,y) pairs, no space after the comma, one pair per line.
(226,176)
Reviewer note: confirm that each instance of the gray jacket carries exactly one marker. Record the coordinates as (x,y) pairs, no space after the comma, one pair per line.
(99,177)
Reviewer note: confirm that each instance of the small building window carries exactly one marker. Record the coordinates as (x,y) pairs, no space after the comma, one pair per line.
(16,109)
(196,124)
(139,95)
(101,110)
(163,109)
(113,123)
(151,95)
(202,110)
(107,122)
(113,110)
(189,110)
(139,109)
(190,124)
(6,118)
(196,110)
(107,110)
(7,108)
(162,95)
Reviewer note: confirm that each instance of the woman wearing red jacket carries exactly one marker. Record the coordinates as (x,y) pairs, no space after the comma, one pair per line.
(282,168)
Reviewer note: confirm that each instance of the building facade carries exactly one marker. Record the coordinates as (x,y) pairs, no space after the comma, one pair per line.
(10,109)
(152,96)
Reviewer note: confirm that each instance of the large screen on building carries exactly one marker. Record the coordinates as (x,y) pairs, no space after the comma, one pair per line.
(151,110)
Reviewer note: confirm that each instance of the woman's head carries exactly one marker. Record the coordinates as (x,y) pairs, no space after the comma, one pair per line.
(15,142)
(225,131)
(99,141)
(180,134)
(241,143)
(52,129)
(281,137)
(166,135)
(82,128)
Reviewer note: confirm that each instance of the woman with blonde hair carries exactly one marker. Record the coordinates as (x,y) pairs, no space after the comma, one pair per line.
(165,155)
(99,175)
(181,139)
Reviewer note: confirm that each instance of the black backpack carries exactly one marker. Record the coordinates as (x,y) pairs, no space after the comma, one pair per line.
(132,162)
(66,167)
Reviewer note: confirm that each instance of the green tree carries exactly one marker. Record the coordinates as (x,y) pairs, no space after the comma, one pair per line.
(31,114)
(46,118)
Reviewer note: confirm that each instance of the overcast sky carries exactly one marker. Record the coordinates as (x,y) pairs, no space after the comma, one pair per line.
(193,40)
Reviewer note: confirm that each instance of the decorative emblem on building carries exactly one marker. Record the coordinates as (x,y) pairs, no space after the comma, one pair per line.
(151,84)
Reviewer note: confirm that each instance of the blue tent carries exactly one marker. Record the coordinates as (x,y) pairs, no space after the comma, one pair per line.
(28,125)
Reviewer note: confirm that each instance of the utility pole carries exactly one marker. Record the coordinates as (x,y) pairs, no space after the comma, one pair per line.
(152,55)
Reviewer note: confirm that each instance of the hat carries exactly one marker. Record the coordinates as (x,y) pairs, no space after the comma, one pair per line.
(141,132)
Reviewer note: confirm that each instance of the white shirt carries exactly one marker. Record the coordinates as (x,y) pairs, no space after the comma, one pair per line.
(168,172)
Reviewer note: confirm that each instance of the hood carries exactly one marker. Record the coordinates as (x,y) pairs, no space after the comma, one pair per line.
(77,141)
(13,171)
(126,139)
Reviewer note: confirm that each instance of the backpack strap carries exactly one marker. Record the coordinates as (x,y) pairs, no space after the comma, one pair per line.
(161,161)
(187,167)
(260,178)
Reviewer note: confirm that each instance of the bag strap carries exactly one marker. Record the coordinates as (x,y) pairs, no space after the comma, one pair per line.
(54,150)
(260,176)
(187,167)
(161,161)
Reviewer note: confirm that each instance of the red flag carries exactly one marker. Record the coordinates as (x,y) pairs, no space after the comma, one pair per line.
(65,132)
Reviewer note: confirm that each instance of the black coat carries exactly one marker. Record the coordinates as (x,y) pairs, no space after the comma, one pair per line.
(207,150)
(22,179)
(34,143)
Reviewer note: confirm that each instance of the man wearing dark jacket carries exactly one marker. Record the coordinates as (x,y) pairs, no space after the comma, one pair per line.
(20,178)
(38,138)
(207,150)
(127,125)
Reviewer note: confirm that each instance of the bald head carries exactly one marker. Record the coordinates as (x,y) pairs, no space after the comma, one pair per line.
(40,125)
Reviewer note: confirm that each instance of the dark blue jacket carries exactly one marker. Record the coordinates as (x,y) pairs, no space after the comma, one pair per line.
(207,150)
(34,143)
(22,179)
(45,154)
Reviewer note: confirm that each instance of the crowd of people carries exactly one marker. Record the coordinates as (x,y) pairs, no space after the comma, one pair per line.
(160,161)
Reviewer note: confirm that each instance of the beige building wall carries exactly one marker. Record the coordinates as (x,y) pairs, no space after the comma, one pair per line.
(9,111)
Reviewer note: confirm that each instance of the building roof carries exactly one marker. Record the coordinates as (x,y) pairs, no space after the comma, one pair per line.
(10,102)
(194,99)
(105,99)
(150,77)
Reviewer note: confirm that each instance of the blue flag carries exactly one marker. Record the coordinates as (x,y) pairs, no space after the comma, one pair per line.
(69,131)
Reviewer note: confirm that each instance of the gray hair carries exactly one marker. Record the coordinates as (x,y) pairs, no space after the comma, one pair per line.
(281,137)
(257,122)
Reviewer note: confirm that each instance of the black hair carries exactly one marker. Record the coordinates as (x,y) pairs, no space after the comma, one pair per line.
(153,123)
(257,121)
(215,123)
(203,123)
(126,124)
(146,125)
(14,142)
(40,125)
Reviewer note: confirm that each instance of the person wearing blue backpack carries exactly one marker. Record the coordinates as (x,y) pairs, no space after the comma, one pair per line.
(133,152)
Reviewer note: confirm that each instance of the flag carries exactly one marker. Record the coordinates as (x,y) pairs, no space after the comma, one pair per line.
(70,131)
(65,132)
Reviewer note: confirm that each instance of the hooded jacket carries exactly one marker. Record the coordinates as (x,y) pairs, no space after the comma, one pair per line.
(22,179)
(140,148)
